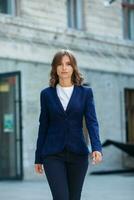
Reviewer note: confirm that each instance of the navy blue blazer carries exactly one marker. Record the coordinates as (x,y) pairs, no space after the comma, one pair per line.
(59,127)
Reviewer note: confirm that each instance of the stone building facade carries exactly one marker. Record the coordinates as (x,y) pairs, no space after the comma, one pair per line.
(102,39)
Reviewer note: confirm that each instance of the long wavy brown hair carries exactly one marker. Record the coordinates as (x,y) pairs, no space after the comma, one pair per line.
(77,78)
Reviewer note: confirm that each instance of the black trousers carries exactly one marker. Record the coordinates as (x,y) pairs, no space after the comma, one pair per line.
(65,173)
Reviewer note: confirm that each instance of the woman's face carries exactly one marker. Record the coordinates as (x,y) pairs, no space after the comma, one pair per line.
(65,70)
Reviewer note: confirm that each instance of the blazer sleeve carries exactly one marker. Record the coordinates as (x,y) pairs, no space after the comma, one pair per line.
(92,122)
(43,125)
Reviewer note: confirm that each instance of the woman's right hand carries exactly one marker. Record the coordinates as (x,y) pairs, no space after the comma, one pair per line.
(39,168)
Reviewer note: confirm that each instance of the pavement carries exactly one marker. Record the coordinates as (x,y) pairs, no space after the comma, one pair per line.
(102,187)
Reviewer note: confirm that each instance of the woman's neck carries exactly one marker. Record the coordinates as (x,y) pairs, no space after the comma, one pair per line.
(65,83)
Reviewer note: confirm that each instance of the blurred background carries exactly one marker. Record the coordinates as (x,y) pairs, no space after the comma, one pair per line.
(101,35)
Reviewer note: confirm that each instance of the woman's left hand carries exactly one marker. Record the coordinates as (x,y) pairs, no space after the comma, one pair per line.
(96,157)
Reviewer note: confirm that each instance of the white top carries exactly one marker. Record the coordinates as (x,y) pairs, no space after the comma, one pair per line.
(64,94)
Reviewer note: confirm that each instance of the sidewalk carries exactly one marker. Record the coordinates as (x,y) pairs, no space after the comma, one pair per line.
(102,187)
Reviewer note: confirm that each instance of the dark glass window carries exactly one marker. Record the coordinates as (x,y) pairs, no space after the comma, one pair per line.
(75,14)
(128,11)
(8,6)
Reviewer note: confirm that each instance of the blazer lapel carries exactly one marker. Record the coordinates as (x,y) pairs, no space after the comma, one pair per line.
(71,100)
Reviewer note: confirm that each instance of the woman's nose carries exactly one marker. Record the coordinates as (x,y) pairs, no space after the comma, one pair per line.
(64,67)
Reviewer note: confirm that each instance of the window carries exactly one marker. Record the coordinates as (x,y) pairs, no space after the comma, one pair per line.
(128,11)
(129,111)
(8,7)
(75,14)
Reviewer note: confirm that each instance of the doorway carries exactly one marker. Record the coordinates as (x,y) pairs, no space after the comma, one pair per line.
(129,107)
(10,126)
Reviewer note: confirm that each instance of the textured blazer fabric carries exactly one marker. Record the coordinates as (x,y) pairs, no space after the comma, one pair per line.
(59,127)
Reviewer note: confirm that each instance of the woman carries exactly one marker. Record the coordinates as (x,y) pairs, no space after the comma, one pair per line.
(61,149)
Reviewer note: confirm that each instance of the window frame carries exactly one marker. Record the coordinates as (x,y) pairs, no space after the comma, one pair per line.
(75,14)
(14,8)
(127,7)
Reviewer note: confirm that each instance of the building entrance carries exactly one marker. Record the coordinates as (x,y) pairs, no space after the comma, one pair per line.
(10,127)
